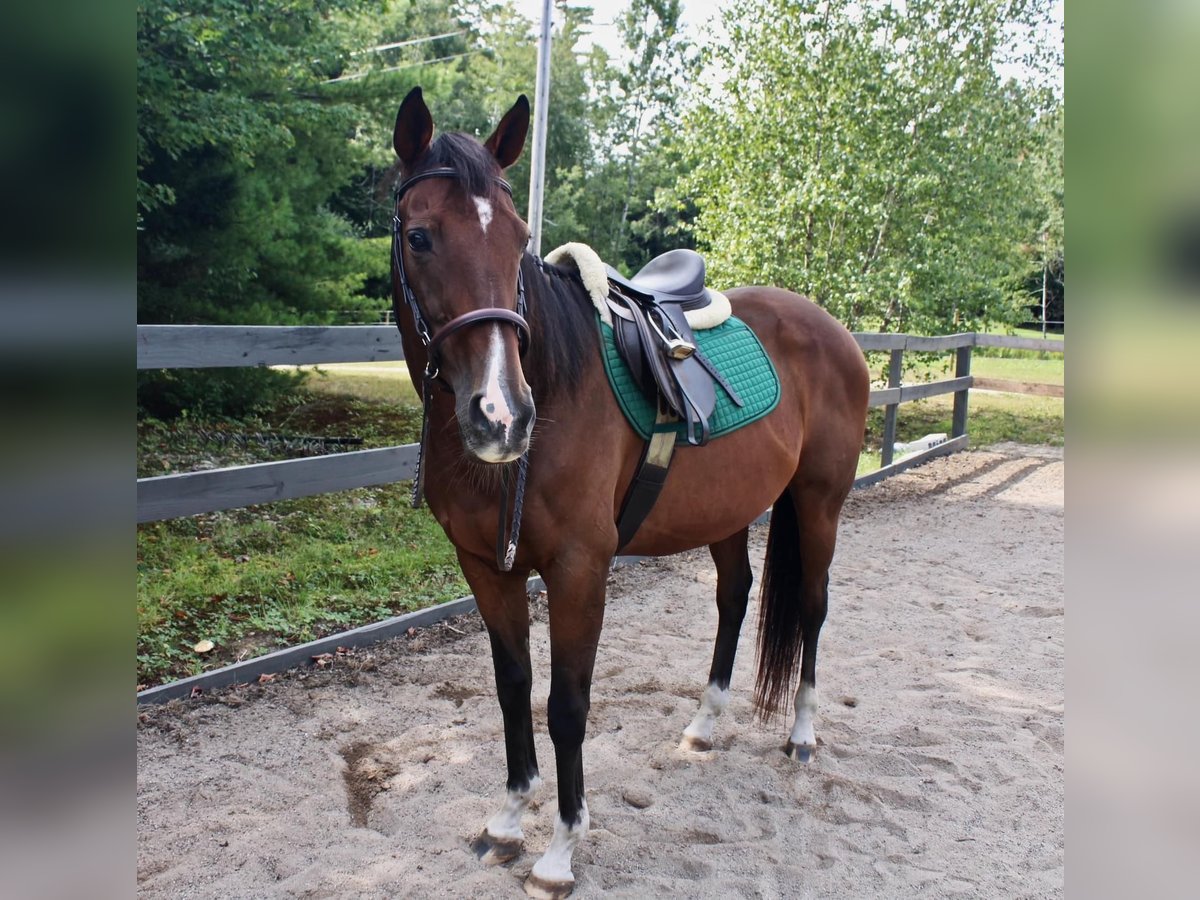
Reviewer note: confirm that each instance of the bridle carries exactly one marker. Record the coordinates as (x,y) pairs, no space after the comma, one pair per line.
(433,342)
(506,550)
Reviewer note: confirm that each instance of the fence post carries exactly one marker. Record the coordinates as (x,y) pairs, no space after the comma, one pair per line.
(962,368)
(895,365)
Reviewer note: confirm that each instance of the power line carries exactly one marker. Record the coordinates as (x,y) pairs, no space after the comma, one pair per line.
(424,62)
(409,43)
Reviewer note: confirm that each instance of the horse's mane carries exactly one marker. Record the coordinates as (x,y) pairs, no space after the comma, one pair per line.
(562,325)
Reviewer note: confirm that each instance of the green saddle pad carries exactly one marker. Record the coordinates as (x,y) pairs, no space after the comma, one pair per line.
(736,353)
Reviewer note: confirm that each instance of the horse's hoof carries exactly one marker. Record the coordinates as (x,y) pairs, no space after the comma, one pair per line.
(695,744)
(545,889)
(799,752)
(493,851)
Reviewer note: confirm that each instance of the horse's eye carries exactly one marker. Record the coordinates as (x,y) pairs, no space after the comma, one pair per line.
(418,239)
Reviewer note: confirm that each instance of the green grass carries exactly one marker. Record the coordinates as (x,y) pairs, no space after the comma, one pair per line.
(1027,367)
(992,419)
(253,579)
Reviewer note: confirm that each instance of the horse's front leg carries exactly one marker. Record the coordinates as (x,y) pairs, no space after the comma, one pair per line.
(576,594)
(504,606)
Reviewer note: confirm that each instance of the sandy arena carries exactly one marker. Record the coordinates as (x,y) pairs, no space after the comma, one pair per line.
(939,770)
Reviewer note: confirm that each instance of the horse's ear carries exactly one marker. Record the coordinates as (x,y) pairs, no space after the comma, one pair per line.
(508,140)
(414,129)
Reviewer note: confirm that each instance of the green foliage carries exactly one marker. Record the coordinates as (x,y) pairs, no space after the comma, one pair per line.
(167,393)
(239,153)
(255,578)
(869,156)
(1046,250)
(251,200)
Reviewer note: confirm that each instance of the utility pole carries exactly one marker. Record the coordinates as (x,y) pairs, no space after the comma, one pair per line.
(537,168)
(1045,272)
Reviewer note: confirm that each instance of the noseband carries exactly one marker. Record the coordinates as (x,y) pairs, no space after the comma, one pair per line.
(433,342)
(506,550)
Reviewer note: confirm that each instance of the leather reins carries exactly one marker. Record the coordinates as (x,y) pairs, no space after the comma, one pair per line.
(506,544)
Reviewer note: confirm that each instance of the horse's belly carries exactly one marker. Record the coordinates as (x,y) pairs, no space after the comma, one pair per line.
(716,490)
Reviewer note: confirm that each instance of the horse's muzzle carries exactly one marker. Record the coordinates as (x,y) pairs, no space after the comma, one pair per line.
(497,433)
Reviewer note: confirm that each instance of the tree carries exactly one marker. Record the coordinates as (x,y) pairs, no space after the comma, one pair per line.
(868,155)
(240,148)
(1045,283)
(242,143)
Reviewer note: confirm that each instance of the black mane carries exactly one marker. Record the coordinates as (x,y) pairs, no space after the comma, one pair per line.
(563,331)
(477,168)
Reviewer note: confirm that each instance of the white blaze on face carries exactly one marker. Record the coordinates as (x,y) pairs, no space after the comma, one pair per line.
(494,402)
(485,211)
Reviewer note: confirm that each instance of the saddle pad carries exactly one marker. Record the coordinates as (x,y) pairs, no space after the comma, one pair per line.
(736,353)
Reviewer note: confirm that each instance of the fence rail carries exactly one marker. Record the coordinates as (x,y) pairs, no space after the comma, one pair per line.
(209,346)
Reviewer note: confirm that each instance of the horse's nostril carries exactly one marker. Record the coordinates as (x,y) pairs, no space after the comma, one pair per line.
(481,411)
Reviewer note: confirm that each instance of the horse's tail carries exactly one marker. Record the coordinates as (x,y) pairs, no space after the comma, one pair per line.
(780,635)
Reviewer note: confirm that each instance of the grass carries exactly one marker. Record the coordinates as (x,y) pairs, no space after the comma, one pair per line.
(254,579)
(992,419)
(251,580)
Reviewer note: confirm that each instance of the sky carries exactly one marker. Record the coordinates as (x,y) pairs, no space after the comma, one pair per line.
(604,29)
(696,13)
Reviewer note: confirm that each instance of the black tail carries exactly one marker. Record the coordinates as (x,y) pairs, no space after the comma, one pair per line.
(780,635)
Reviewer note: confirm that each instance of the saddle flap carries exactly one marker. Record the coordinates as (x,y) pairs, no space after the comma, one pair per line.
(649,338)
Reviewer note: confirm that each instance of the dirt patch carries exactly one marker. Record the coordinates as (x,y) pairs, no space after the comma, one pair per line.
(939,767)
(367,773)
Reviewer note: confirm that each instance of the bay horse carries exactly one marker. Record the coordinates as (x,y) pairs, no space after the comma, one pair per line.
(489,331)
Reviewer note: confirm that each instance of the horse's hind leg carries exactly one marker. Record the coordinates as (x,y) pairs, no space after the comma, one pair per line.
(817,528)
(504,606)
(733,591)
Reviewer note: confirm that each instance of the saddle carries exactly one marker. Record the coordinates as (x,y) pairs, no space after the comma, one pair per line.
(653,336)
(656,341)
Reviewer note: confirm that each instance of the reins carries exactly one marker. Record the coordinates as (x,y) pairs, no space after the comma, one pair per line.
(507,534)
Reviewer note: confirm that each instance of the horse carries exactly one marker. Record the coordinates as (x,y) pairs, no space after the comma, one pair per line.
(505,348)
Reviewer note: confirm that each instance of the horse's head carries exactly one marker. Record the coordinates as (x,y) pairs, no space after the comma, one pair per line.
(457,250)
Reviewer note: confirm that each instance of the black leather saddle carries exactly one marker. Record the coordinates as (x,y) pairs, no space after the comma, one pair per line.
(655,340)
(674,278)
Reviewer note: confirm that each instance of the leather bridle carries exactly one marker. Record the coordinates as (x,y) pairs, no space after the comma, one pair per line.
(506,549)
(433,342)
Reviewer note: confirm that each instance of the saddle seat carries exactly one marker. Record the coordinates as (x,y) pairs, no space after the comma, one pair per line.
(675,278)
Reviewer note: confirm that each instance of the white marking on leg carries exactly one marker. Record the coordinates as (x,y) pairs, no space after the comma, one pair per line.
(712,704)
(506,824)
(803,734)
(494,401)
(485,211)
(555,865)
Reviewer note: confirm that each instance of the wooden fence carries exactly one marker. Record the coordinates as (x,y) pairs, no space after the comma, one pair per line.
(210,346)
(205,346)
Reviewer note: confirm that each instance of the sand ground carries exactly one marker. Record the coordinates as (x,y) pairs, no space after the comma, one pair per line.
(939,771)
